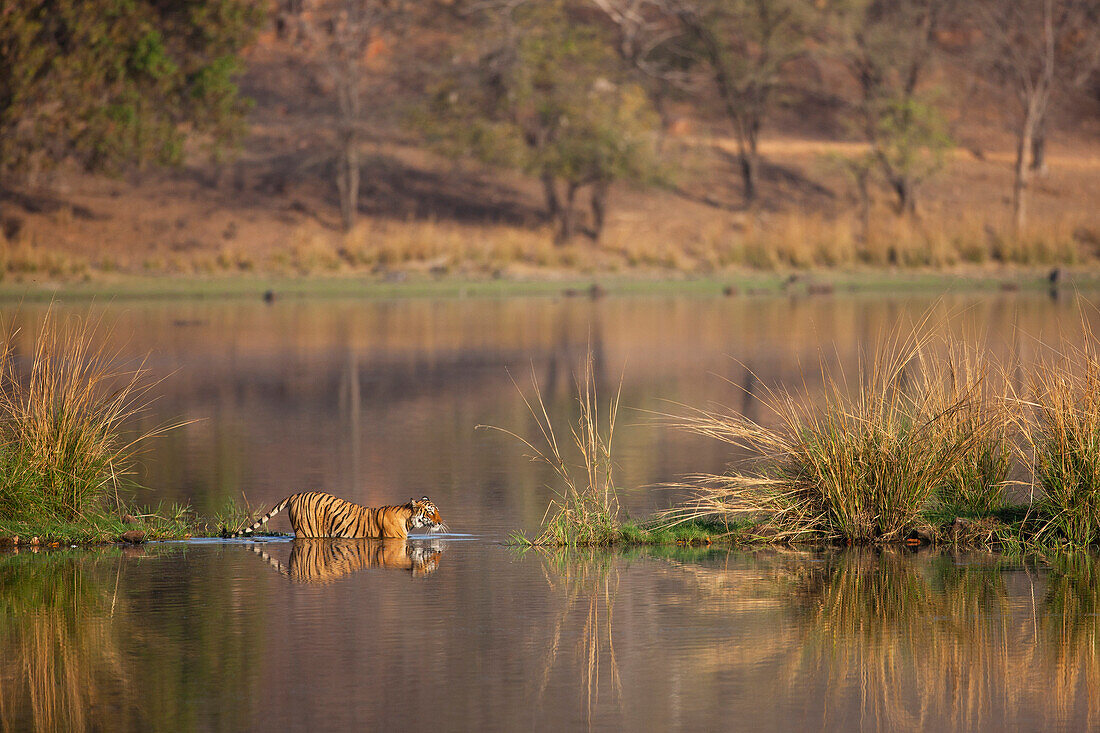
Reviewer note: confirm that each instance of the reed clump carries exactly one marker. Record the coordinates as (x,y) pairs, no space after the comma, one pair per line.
(66,456)
(975,403)
(1063,439)
(587,508)
(913,429)
(62,445)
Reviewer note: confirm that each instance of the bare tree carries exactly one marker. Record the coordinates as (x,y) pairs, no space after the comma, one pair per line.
(889,48)
(736,48)
(1035,48)
(346,35)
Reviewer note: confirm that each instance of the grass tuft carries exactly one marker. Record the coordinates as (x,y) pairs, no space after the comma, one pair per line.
(908,430)
(587,507)
(1064,440)
(63,453)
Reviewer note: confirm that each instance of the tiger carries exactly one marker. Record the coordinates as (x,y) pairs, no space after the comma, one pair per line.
(317,514)
(327,560)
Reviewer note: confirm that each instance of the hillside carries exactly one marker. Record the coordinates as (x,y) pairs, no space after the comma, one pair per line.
(272,207)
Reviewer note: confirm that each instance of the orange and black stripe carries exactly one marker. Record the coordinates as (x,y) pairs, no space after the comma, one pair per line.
(319,514)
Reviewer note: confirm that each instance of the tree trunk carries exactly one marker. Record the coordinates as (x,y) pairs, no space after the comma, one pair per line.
(749,158)
(1038,164)
(567,224)
(347,180)
(1036,103)
(599,207)
(863,189)
(749,166)
(907,196)
(553,203)
(1019,186)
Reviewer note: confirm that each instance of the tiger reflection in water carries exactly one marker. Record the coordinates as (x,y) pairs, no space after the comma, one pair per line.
(326,560)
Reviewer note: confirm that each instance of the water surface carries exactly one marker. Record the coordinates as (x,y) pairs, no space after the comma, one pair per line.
(378,401)
(483,637)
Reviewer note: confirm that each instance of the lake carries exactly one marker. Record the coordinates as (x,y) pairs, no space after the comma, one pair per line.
(379,401)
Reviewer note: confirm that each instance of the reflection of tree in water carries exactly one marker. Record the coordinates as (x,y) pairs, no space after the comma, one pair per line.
(326,560)
(588,580)
(86,644)
(568,356)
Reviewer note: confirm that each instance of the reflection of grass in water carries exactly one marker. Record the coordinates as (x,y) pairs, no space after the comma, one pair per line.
(589,580)
(922,640)
(85,645)
(63,667)
(929,639)
(1070,627)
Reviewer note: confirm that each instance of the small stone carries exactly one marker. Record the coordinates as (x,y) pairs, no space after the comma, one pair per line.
(133,536)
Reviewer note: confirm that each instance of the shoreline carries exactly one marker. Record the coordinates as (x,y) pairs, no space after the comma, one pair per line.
(740,284)
(1003,533)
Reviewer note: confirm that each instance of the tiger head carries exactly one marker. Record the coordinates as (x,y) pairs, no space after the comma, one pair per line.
(425,514)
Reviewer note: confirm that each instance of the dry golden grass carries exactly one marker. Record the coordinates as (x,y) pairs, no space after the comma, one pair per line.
(62,444)
(978,408)
(861,467)
(1063,442)
(660,239)
(926,427)
(23,258)
(587,508)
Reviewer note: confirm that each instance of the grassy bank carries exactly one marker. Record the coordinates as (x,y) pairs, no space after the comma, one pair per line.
(931,441)
(106,525)
(66,455)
